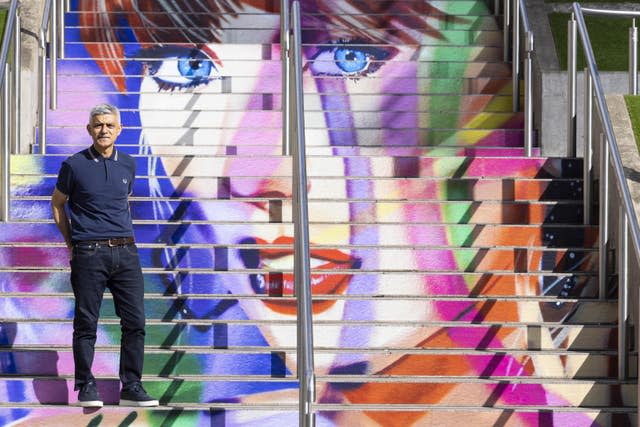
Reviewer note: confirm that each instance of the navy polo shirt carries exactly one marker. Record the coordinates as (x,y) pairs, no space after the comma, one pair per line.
(98,189)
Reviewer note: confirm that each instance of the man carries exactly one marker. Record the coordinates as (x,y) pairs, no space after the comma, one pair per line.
(96,183)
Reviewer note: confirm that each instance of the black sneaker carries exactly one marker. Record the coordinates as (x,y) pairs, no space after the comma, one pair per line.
(135,395)
(88,396)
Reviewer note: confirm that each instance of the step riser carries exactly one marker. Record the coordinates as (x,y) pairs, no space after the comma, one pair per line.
(415,310)
(199,363)
(398,167)
(598,395)
(385,189)
(194,283)
(223,335)
(461,213)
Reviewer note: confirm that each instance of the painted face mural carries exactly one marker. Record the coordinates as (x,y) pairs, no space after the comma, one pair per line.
(200,93)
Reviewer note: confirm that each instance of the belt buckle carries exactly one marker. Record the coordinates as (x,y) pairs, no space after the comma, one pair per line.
(111,244)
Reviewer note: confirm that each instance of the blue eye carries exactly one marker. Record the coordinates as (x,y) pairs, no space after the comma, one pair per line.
(180,67)
(349,59)
(195,68)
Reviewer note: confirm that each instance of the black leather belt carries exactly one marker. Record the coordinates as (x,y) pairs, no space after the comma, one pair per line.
(120,241)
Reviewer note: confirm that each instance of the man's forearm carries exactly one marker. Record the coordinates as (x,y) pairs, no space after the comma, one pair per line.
(62,222)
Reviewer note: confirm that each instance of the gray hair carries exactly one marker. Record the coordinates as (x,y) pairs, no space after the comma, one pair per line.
(101,109)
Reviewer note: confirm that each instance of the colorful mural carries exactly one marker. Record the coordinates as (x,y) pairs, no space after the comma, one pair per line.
(400,96)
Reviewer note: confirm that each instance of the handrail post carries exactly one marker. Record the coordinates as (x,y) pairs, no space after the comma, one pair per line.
(572,41)
(5,154)
(587,182)
(17,86)
(528,96)
(633,58)
(62,7)
(603,229)
(285,30)
(623,294)
(302,266)
(506,20)
(42,98)
(515,58)
(53,55)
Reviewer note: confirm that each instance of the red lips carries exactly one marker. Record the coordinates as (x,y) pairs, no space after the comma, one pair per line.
(325,283)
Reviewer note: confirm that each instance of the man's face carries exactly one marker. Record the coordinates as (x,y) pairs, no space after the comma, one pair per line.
(104,130)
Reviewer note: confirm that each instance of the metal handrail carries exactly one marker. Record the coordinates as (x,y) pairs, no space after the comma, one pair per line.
(609,154)
(11,38)
(517,13)
(49,26)
(302,265)
(285,32)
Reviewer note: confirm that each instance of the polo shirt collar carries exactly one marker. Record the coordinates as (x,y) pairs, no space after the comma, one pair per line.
(95,156)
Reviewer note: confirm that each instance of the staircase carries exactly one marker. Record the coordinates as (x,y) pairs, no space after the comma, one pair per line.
(453,279)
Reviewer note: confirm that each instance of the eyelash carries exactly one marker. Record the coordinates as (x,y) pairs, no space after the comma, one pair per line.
(180,68)
(344,54)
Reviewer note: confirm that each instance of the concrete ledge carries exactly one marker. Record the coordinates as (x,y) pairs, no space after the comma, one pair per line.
(627,145)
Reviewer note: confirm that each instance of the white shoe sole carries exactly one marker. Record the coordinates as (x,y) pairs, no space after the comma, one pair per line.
(143,404)
(90,404)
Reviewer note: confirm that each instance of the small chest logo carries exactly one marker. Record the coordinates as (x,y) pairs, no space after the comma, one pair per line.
(125,180)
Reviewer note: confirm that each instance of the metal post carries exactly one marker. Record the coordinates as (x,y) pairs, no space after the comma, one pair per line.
(5,154)
(515,58)
(506,20)
(571,80)
(603,230)
(623,294)
(633,58)
(528,96)
(61,35)
(285,30)
(17,87)
(42,98)
(588,149)
(53,56)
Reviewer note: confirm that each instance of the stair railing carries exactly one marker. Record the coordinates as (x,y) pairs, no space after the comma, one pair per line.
(49,37)
(302,265)
(10,106)
(609,155)
(514,15)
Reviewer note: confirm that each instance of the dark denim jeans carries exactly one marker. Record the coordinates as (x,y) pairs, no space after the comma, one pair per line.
(96,267)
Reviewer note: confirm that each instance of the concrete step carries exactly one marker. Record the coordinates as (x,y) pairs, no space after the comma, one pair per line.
(28,208)
(478,393)
(313,119)
(218,284)
(463,310)
(203,363)
(226,335)
(384,189)
(510,238)
(257,414)
(380,167)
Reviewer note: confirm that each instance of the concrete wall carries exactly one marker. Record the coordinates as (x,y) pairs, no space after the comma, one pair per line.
(551,88)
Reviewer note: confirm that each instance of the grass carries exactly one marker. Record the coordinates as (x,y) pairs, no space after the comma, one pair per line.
(633,105)
(609,38)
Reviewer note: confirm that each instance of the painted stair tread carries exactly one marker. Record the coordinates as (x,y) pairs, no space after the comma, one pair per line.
(530,213)
(385,189)
(464,310)
(183,284)
(216,364)
(212,414)
(313,119)
(592,394)
(399,167)
(38,336)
